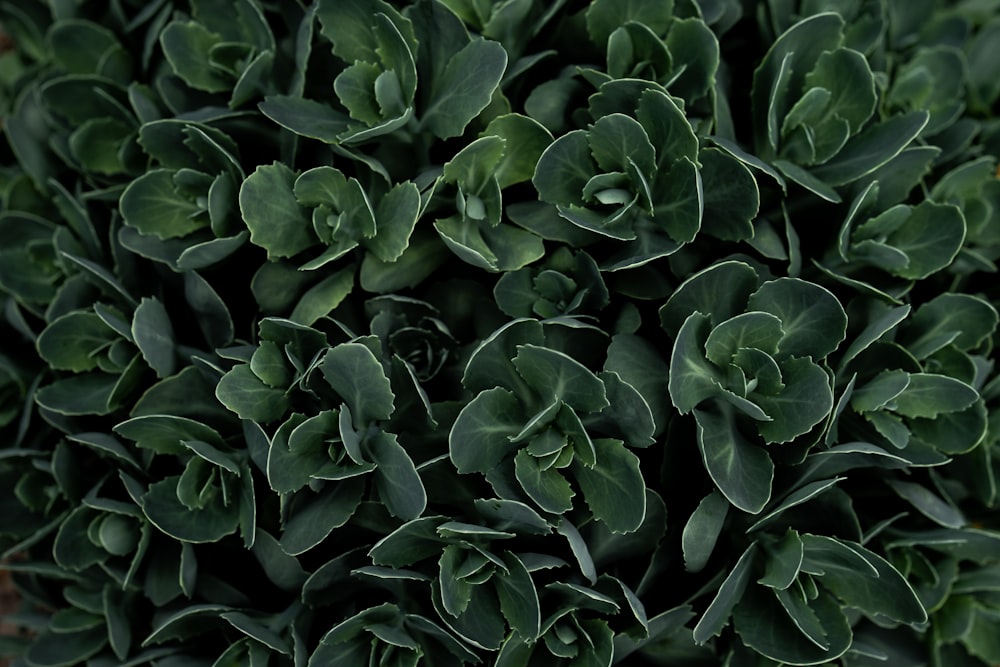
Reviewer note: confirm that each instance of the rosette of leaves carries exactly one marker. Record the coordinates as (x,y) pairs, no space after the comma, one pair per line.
(920,392)
(813,101)
(748,362)
(387,635)
(473,179)
(386,54)
(786,597)
(907,242)
(221,48)
(317,459)
(974,188)
(79,110)
(183,211)
(632,177)
(663,43)
(323,211)
(566,283)
(529,427)
(479,587)
(411,331)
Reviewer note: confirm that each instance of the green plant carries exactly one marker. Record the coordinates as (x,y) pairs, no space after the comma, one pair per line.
(440,332)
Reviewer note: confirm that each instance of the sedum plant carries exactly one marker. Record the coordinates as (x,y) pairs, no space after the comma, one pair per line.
(508,333)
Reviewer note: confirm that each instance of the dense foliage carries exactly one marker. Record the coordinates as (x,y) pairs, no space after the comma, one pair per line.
(502,332)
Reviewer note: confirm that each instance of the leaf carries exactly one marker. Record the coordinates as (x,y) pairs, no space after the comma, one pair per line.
(804,402)
(872,148)
(929,395)
(71,342)
(152,205)
(64,649)
(564,169)
(276,221)
(639,364)
(154,336)
(719,292)
(320,299)
(306,118)
(519,598)
(692,378)
(188,47)
(617,140)
(668,128)
(603,16)
(812,318)
(784,561)
(525,140)
(312,517)
(928,503)
(767,627)
(553,373)
(702,530)
(732,198)
(741,470)
(879,391)
(613,488)
(481,435)
(211,523)
(716,616)
(399,486)
(85,394)
(931,238)
(757,330)
(359,379)
(958,319)
(245,394)
(879,590)
(466,87)
(350,26)
(546,486)
(395,217)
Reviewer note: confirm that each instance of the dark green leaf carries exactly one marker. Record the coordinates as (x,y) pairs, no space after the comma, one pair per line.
(929,395)
(692,378)
(613,488)
(466,87)
(359,379)
(399,486)
(720,292)
(154,336)
(741,470)
(716,616)
(276,221)
(702,530)
(243,392)
(546,486)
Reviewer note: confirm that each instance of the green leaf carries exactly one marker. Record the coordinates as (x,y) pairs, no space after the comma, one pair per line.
(395,217)
(276,221)
(702,530)
(525,141)
(85,394)
(928,503)
(350,26)
(613,488)
(812,318)
(306,118)
(154,336)
(879,391)
(564,169)
(396,479)
(678,204)
(731,196)
(64,649)
(846,74)
(313,516)
(962,320)
(152,205)
(71,342)
(719,292)
(245,394)
(482,433)
(188,47)
(716,616)
(741,470)
(211,523)
(320,299)
(931,238)
(768,627)
(692,378)
(456,591)
(617,140)
(784,561)
(604,16)
(872,148)
(879,590)
(546,486)
(668,128)
(359,379)
(554,374)
(466,88)
(758,330)
(805,401)
(519,598)
(929,395)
